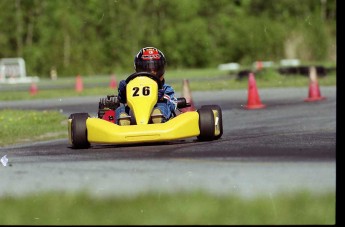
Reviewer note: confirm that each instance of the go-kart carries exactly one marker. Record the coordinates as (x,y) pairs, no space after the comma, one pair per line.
(204,123)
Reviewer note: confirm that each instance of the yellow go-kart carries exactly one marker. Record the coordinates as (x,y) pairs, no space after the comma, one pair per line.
(142,94)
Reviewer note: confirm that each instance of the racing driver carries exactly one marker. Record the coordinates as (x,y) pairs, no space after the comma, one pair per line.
(152,60)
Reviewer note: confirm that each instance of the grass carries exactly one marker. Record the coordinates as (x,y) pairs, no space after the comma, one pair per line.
(190,208)
(18,126)
(199,80)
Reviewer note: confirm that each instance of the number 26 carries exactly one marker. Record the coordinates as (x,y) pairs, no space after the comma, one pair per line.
(145,91)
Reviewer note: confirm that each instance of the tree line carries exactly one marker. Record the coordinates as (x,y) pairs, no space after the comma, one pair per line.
(93,37)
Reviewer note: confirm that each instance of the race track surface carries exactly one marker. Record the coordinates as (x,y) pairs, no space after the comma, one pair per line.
(288,145)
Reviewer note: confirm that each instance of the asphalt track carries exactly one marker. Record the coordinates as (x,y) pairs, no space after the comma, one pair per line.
(288,145)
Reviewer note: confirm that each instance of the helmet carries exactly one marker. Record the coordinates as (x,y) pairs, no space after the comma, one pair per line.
(150,59)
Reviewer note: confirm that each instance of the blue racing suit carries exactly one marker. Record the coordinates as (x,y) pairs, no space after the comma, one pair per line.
(167,105)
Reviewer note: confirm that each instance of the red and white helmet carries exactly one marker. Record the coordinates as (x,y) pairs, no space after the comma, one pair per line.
(150,59)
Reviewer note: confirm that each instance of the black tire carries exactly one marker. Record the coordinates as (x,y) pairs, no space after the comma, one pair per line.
(220,118)
(79,130)
(206,124)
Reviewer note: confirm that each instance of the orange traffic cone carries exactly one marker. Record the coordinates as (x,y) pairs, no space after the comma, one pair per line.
(113,83)
(259,65)
(253,95)
(33,89)
(187,95)
(314,90)
(79,84)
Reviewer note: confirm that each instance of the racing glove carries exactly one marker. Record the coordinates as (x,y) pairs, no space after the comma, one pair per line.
(122,91)
(160,94)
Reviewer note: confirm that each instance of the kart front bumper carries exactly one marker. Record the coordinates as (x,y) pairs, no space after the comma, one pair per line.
(182,126)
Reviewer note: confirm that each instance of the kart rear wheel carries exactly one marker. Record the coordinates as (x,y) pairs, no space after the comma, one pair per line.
(206,124)
(217,111)
(79,130)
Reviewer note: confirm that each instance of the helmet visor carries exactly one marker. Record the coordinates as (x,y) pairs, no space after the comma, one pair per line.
(151,66)
(156,67)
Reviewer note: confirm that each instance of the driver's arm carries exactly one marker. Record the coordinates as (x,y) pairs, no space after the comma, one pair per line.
(169,96)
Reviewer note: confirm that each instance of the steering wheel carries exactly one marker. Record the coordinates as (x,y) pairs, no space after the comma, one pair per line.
(150,75)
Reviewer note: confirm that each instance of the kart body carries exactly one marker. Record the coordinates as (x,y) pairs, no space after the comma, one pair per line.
(141,93)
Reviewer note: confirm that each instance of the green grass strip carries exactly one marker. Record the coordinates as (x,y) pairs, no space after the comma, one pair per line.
(199,80)
(19,126)
(191,208)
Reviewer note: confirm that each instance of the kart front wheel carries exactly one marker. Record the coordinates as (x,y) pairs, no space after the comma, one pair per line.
(218,119)
(79,130)
(206,124)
